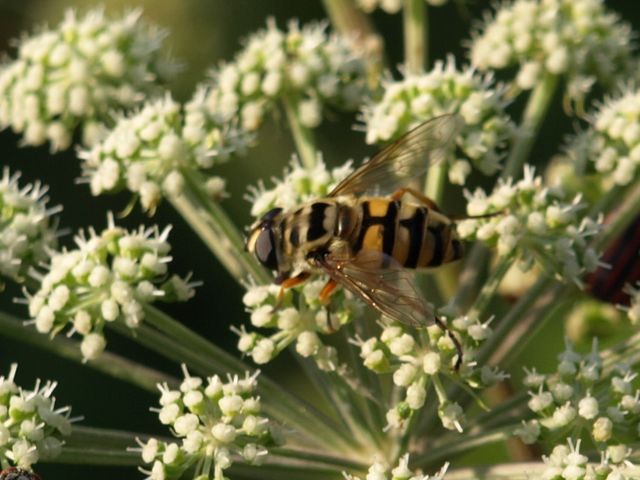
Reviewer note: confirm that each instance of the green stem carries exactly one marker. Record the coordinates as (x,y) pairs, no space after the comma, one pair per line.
(415,36)
(338,395)
(439,453)
(218,360)
(206,359)
(318,457)
(471,277)
(97,456)
(108,363)
(216,229)
(352,22)
(200,223)
(511,325)
(488,290)
(107,440)
(302,136)
(534,113)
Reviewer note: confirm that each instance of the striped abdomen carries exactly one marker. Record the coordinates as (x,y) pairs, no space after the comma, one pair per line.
(414,235)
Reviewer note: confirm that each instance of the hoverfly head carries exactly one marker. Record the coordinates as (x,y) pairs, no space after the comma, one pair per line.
(264,239)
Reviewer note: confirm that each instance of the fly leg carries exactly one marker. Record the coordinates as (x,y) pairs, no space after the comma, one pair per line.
(433,206)
(325,293)
(290,283)
(398,194)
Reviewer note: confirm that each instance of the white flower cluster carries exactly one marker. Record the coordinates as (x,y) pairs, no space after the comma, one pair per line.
(379,471)
(611,145)
(579,39)
(28,231)
(583,397)
(567,463)
(76,74)
(417,362)
(300,317)
(633,310)
(304,66)
(535,224)
(391,6)
(215,421)
(110,277)
(31,427)
(445,89)
(150,151)
(297,186)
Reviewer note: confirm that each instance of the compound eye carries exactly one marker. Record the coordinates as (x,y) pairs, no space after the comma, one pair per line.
(266,249)
(271,214)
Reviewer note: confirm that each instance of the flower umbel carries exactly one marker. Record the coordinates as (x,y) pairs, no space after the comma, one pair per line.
(76,74)
(417,362)
(215,420)
(578,39)
(110,277)
(445,89)
(302,65)
(31,427)
(28,231)
(536,224)
(149,151)
(611,145)
(567,463)
(584,396)
(378,471)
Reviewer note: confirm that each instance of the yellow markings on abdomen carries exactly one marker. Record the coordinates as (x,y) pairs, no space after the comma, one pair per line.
(373,238)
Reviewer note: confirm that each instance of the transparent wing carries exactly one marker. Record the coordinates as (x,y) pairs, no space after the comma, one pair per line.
(406,158)
(384,284)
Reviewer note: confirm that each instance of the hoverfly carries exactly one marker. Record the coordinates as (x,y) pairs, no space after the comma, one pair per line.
(371,231)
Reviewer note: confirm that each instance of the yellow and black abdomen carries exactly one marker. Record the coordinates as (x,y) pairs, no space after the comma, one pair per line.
(414,235)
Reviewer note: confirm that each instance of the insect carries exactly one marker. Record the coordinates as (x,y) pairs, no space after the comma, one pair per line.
(370,232)
(14,473)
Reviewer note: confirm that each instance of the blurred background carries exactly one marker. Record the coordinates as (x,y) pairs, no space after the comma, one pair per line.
(202,33)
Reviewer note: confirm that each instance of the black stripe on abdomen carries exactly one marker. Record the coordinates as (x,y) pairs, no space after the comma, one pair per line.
(438,246)
(364,226)
(316,221)
(415,226)
(389,231)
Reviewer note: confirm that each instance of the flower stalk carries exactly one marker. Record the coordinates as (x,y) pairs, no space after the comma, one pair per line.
(108,363)
(279,404)
(415,36)
(302,135)
(532,117)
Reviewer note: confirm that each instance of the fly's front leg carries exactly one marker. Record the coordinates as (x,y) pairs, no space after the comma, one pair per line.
(398,194)
(290,283)
(324,297)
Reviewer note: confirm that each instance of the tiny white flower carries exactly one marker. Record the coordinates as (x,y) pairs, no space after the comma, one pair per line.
(92,345)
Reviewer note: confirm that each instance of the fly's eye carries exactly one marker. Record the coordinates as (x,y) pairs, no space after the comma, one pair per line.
(265,249)
(271,214)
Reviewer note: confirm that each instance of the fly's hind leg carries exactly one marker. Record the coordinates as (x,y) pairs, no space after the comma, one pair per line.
(398,194)
(433,206)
